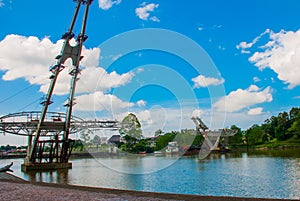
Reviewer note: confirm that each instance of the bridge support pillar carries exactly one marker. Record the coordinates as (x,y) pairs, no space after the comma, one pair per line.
(29,146)
(44,166)
(50,154)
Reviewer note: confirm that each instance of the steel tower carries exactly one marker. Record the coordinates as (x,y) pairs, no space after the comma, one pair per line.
(49,143)
(61,145)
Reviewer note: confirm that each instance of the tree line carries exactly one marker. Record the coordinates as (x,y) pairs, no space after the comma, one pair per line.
(135,142)
(284,126)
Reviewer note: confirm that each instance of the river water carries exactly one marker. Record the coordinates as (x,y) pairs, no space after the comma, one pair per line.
(264,174)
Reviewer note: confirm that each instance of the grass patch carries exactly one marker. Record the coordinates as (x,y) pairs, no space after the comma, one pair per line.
(292,142)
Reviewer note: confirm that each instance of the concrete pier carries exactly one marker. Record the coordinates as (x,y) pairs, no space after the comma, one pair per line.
(45,166)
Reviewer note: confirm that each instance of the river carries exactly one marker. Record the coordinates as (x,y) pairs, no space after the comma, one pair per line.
(263,174)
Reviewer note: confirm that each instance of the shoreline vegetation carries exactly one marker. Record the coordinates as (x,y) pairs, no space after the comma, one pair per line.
(285,145)
(277,132)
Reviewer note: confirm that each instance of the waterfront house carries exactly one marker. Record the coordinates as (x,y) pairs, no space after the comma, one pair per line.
(172,148)
(115,139)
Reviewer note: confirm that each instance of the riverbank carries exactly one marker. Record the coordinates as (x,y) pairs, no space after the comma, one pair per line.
(14,188)
(271,145)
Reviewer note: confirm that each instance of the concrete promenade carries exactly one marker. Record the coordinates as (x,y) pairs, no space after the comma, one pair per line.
(14,188)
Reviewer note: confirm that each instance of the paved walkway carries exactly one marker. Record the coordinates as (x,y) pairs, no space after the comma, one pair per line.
(9,177)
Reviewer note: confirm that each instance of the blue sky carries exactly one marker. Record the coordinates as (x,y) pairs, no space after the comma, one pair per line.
(163,60)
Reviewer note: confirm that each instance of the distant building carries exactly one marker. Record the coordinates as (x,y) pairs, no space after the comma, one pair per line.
(3,153)
(115,139)
(104,140)
(113,150)
(188,131)
(152,140)
(172,148)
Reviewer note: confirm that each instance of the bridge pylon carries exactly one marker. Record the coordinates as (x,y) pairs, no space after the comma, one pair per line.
(59,146)
(49,145)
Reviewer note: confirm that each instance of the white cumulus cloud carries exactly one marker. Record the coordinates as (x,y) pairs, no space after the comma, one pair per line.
(99,101)
(143,12)
(154,19)
(107,4)
(244,45)
(202,81)
(166,119)
(281,53)
(197,113)
(200,28)
(27,57)
(145,118)
(255,111)
(30,58)
(243,98)
(141,103)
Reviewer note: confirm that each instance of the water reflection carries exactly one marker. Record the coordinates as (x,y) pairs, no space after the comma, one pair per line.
(268,174)
(57,176)
(281,153)
(137,164)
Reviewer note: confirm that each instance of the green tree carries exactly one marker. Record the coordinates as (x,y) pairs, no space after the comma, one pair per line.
(188,138)
(294,130)
(273,125)
(237,139)
(269,126)
(97,140)
(129,145)
(282,126)
(265,138)
(78,145)
(131,126)
(163,140)
(85,136)
(199,139)
(184,139)
(158,132)
(143,146)
(133,145)
(294,113)
(254,135)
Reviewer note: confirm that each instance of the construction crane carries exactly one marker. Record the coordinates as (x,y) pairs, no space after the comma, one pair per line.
(212,138)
